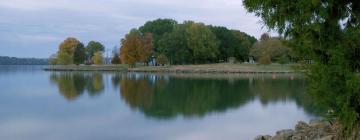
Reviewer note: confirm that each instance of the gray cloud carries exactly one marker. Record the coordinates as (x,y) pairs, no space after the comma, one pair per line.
(34,28)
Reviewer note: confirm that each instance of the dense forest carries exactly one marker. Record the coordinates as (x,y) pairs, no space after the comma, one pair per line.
(5,60)
(189,42)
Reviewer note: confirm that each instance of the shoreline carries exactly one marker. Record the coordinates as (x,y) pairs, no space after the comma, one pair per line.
(205,68)
(116,68)
(314,130)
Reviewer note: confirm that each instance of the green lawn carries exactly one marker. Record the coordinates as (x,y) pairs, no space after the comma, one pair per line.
(221,68)
(204,68)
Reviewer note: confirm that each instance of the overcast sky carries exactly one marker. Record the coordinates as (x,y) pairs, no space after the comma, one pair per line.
(34,28)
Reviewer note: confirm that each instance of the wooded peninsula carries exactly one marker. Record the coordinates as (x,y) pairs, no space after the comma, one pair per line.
(166,42)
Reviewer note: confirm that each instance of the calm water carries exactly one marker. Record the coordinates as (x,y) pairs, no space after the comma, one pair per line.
(39,105)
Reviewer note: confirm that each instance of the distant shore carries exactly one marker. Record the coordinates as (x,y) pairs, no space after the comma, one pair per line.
(204,68)
(122,68)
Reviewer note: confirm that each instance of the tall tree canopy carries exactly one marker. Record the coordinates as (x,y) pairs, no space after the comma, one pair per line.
(175,47)
(136,47)
(94,47)
(243,42)
(202,42)
(158,28)
(227,42)
(69,45)
(190,42)
(79,54)
(67,51)
(270,49)
(186,42)
(328,33)
(233,43)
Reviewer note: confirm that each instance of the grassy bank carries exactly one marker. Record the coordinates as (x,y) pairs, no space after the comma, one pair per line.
(206,68)
(218,68)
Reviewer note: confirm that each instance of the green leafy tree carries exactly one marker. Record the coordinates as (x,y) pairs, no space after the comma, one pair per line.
(94,47)
(202,43)
(98,58)
(243,42)
(190,42)
(272,48)
(79,54)
(158,28)
(227,42)
(326,32)
(174,45)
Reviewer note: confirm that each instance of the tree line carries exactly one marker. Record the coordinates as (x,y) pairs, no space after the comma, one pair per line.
(167,42)
(5,60)
(72,51)
(170,42)
(272,49)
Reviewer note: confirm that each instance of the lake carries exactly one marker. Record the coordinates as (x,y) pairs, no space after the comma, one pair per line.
(41,105)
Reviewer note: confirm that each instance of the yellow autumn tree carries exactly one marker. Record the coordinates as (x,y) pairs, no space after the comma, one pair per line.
(98,58)
(67,50)
(69,45)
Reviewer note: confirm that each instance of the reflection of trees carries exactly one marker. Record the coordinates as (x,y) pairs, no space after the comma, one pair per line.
(137,92)
(72,84)
(161,97)
(95,84)
(282,89)
(270,90)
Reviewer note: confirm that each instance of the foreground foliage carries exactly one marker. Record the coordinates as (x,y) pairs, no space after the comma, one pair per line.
(326,32)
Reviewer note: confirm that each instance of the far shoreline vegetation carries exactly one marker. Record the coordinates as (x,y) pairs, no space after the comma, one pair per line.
(165,44)
(6,60)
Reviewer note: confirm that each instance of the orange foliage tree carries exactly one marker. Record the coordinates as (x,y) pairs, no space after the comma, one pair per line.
(69,45)
(136,47)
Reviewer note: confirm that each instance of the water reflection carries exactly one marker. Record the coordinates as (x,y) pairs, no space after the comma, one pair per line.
(73,84)
(169,96)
